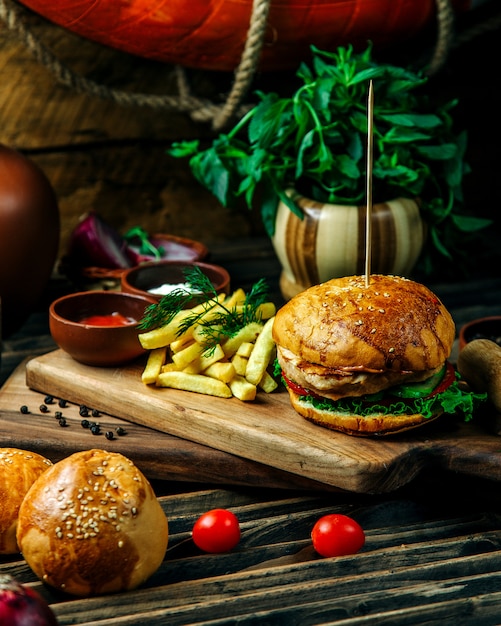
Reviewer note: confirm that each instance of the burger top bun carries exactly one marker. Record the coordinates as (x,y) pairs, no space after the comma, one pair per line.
(18,471)
(391,324)
(92,524)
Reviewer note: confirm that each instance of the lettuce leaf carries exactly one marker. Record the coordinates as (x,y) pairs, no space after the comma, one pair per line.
(453,400)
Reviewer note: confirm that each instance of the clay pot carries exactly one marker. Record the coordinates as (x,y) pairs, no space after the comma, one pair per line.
(329,241)
(29,236)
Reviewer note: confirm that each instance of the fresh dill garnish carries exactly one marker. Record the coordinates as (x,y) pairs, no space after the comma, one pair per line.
(164,311)
(223,323)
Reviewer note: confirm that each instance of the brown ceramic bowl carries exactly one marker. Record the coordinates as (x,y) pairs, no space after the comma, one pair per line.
(481,328)
(98,345)
(141,279)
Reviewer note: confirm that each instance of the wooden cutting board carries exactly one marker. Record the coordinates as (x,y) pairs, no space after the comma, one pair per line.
(160,456)
(268,431)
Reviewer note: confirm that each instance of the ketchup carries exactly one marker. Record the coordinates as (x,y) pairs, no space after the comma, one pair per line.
(115,319)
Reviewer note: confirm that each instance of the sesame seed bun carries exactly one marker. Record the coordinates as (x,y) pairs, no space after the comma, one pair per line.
(393,324)
(345,339)
(18,471)
(92,524)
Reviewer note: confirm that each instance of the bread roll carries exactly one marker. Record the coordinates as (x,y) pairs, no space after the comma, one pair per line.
(92,524)
(18,471)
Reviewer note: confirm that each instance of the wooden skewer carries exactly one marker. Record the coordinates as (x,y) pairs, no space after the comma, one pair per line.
(368,216)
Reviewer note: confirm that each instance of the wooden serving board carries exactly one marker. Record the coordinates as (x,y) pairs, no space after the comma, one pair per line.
(160,456)
(268,431)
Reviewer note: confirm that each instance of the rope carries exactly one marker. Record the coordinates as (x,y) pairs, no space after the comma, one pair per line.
(202,109)
(248,63)
(445,20)
(199,108)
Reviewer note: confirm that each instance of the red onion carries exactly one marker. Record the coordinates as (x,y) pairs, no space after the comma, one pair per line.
(22,606)
(95,243)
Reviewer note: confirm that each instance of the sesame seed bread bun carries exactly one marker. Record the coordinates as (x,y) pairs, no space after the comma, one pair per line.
(92,524)
(18,471)
(392,324)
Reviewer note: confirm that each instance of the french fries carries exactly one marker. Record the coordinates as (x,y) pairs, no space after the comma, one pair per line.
(230,367)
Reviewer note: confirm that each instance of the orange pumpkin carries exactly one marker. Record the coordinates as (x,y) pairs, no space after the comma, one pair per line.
(210,34)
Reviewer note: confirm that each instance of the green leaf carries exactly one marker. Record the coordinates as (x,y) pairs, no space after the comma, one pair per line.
(438,152)
(184,148)
(412,120)
(468,223)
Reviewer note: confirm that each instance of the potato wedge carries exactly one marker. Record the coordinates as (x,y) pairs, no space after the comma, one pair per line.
(247,333)
(194,382)
(267,383)
(222,370)
(240,364)
(187,355)
(154,363)
(205,360)
(245,349)
(261,355)
(165,335)
(242,389)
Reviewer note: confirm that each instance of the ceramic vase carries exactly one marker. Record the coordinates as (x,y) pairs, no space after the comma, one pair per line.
(330,241)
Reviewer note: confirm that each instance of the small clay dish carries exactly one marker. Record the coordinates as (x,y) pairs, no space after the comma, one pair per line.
(150,276)
(99,328)
(481,328)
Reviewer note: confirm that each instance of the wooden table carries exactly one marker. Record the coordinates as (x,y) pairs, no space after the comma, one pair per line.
(432,551)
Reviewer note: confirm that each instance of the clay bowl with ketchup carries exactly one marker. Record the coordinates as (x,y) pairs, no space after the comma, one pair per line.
(99,328)
(160,278)
(481,328)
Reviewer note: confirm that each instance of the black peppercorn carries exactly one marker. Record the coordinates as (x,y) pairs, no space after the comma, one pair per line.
(62,422)
(85,423)
(44,408)
(58,415)
(49,399)
(109,435)
(95,413)
(95,429)
(24,409)
(84,411)
(62,403)
(121,431)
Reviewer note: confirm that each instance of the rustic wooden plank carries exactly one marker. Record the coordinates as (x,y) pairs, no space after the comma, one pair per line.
(159,455)
(269,431)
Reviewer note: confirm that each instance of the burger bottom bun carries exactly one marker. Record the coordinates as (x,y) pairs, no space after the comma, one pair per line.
(92,524)
(18,471)
(358,425)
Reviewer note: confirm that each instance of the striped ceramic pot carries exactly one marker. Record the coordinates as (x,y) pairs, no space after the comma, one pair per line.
(329,242)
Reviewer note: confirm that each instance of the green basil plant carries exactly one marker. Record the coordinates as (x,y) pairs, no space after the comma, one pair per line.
(315,142)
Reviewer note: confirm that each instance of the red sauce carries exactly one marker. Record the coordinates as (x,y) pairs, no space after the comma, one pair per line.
(115,319)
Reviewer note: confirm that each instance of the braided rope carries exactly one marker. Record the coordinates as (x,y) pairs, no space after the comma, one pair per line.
(248,63)
(445,20)
(13,17)
(202,109)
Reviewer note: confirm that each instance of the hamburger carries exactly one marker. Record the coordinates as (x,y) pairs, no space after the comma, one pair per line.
(369,359)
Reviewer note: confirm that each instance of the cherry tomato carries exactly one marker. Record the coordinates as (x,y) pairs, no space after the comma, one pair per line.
(216,531)
(337,535)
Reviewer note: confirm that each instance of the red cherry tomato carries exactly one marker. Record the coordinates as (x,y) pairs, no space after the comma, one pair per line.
(216,531)
(337,535)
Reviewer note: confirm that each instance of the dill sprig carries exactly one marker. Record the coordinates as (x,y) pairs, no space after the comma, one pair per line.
(200,289)
(224,322)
